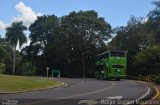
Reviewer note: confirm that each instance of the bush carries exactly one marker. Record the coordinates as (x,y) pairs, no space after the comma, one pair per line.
(8,69)
(26,69)
(147,62)
(2,68)
(158,80)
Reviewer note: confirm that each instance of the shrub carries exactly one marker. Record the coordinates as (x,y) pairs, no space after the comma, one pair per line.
(2,68)
(147,62)
(26,68)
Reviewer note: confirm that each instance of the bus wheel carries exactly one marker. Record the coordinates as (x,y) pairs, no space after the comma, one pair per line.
(118,79)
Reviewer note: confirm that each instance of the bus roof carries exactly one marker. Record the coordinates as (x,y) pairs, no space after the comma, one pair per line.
(107,52)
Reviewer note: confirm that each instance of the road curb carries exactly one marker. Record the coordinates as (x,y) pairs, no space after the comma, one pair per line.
(63,84)
(157,93)
(154,89)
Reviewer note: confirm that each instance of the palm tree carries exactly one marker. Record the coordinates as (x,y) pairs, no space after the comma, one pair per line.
(15,35)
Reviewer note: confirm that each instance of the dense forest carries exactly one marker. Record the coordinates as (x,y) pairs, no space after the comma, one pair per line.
(71,43)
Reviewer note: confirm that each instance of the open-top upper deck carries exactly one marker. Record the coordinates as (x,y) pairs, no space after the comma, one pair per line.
(112,53)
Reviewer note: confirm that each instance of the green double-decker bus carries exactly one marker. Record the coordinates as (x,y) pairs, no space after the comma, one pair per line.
(111,65)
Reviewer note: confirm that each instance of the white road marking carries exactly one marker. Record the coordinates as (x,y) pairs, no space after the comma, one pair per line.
(148,91)
(143,96)
(72,86)
(115,97)
(88,102)
(93,102)
(88,93)
(81,83)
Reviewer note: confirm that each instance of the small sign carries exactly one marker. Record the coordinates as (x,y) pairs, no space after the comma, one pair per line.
(47,68)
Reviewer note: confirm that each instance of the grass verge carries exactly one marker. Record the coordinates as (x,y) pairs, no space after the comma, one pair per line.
(12,84)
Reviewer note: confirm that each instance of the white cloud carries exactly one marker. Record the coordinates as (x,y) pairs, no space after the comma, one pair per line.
(2,26)
(144,20)
(27,15)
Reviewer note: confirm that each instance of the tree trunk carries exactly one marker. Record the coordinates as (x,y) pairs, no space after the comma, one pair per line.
(14,59)
(83,65)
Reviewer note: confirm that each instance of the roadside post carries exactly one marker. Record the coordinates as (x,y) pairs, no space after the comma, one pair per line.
(47,70)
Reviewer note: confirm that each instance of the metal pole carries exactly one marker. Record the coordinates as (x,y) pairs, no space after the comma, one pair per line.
(47,73)
(47,70)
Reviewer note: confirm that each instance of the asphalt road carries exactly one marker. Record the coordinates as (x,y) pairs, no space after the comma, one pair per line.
(83,92)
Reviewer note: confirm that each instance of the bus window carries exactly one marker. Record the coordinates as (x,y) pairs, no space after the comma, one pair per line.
(99,67)
(117,66)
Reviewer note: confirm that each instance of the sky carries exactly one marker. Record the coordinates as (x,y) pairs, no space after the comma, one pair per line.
(115,12)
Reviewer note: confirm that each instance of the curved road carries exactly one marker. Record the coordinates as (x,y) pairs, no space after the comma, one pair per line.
(84,92)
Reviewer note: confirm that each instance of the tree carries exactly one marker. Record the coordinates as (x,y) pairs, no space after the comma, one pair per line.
(154,21)
(14,35)
(43,31)
(42,36)
(6,55)
(132,38)
(84,33)
(69,43)
(147,61)
(118,42)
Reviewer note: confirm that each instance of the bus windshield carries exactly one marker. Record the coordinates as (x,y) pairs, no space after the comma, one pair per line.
(117,54)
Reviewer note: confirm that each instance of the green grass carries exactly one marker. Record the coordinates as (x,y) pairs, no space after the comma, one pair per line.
(11,84)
